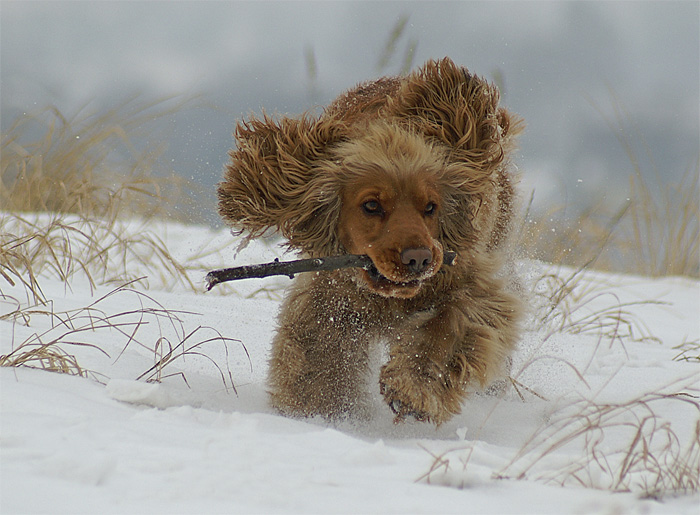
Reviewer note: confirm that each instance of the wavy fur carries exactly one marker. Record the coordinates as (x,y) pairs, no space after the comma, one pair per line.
(400,169)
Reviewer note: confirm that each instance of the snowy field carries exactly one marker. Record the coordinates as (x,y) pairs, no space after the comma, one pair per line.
(601,418)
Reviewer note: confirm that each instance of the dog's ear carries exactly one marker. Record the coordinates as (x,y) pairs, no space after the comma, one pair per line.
(448,104)
(272,182)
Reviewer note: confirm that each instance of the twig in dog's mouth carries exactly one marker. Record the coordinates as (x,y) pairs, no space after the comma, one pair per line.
(290,268)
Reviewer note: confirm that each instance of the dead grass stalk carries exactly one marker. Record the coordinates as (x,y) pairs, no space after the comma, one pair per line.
(86,326)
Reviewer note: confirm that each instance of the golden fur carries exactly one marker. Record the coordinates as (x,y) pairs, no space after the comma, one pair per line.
(400,169)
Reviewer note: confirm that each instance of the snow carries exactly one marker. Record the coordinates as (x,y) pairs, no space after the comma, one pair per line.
(204,440)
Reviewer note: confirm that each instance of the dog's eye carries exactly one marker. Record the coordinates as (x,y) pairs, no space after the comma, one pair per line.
(430,209)
(372,207)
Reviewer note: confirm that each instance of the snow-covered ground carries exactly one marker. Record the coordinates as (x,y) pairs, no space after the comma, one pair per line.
(602,415)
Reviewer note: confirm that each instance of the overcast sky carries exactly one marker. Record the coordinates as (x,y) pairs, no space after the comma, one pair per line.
(566,66)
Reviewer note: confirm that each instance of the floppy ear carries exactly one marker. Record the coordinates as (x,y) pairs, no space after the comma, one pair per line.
(272,182)
(448,104)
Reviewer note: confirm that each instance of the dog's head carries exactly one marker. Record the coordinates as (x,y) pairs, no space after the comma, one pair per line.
(388,181)
(400,170)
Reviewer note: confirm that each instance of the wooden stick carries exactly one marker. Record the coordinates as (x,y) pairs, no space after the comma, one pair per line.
(290,268)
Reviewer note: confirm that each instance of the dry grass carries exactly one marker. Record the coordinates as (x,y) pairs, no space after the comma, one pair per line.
(91,180)
(651,460)
(46,354)
(618,447)
(76,195)
(554,236)
(688,351)
(655,234)
(564,301)
(103,251)
(654,461)
(662,235)
(391,47)
(89,165)
(626,446)
(653,231)
(86,326)
(166,353)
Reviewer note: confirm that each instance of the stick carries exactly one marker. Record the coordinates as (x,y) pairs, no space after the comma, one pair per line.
(290,268)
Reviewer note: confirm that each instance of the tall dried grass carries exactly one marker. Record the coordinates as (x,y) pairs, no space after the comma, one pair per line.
(662,235)
(90,180)
(391,47)
(655,461)
(101,250)
(654,231)
(93,165)
(75,196)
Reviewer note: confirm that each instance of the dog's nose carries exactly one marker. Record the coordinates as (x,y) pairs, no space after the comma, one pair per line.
(416,259)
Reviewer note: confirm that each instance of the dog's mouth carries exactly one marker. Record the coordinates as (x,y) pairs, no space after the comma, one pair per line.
(387,287)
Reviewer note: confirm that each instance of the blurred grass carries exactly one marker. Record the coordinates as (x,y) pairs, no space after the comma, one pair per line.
(390,50)
(71,187)
(96,166)
(93,165)
(77,196)
(654,231)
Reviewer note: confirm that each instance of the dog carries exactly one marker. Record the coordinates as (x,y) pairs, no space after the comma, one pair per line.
(401,169)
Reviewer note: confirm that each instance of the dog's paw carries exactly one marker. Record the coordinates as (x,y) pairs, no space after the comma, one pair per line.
(410,393)
(402,410)
(420,391)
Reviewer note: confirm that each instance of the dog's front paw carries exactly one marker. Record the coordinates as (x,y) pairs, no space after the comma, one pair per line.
(401,408)
(412,393)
